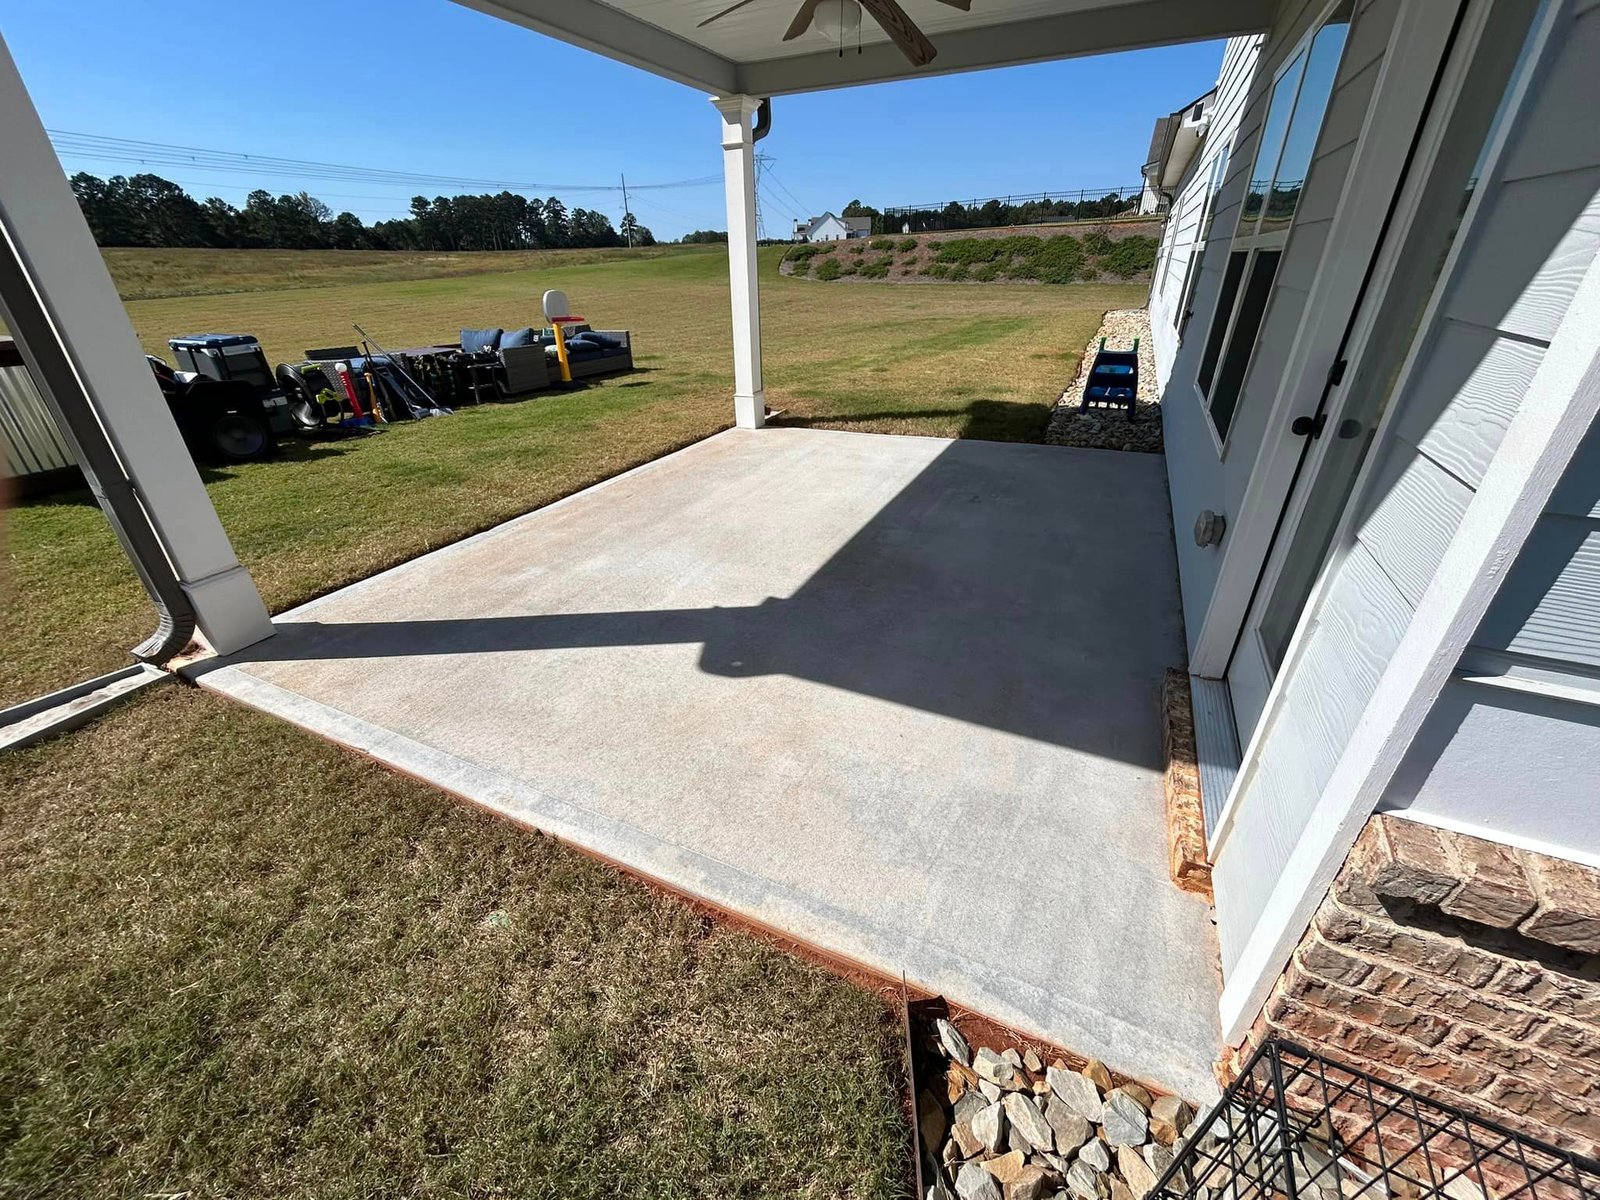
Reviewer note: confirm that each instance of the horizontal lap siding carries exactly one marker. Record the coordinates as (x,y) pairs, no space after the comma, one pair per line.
(1515,277)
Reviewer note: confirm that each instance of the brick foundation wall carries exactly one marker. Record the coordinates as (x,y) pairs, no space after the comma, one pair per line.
(1460,968)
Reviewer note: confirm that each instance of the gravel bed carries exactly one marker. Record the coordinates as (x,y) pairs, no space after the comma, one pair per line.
(1108,428)
(1009,1126)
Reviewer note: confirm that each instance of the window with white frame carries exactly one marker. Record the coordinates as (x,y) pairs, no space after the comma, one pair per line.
(1300,95)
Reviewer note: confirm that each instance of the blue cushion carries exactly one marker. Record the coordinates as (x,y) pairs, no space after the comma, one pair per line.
(473,340)
(518,337)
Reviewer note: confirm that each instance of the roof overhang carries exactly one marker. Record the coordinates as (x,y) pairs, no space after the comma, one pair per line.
(1176,140)
(1085,27)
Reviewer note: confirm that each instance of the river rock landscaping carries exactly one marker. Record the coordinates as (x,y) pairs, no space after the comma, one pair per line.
(1011,1126)
(1109,428)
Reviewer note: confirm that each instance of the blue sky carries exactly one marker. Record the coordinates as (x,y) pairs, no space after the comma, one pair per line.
(429,86)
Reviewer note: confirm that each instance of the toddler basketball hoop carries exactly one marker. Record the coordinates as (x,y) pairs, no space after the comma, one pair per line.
(559,312)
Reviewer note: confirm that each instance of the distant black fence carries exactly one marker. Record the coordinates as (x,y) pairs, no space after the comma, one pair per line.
(1033,208)
(1298,1126)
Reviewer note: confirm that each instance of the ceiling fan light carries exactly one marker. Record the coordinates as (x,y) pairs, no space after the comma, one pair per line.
(837,20)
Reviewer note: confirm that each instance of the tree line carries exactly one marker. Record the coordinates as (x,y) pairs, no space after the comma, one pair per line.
(147,210)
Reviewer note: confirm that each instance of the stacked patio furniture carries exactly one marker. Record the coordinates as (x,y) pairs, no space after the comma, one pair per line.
(591,352)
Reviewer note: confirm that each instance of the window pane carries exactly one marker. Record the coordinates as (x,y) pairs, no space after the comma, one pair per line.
(1225,396)
(1219,317)
(1306,123)
(1197,255)
(1267,153)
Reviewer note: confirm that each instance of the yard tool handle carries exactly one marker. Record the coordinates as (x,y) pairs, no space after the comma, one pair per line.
(404,374)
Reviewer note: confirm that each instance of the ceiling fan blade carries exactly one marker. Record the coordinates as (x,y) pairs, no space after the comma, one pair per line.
(741,4)
(902,31)
(963,5)
(802,19)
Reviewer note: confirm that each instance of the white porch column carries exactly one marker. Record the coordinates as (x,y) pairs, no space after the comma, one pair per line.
(79,322)
(739,181)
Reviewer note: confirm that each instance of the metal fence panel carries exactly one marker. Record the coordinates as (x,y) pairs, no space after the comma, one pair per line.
(30,443)
(1297,1126)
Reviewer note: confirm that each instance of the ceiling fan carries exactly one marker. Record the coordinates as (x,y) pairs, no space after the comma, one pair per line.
(902,30)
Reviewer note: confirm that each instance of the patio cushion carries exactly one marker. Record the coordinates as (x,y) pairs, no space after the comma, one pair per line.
(512,338)
(473,340)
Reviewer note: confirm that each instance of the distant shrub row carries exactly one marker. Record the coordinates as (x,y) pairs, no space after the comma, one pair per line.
(1060,259)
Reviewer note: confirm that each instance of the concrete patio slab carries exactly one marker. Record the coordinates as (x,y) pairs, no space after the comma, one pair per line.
(894,696)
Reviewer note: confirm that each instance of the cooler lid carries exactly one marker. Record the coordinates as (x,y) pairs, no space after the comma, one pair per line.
(211,341)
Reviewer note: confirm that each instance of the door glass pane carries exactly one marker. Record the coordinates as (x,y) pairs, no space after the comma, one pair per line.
(1271,146)
(1306,124)
(1252,306)
(1220,316)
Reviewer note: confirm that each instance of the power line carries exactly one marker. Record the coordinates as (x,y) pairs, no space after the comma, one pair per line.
(69,143)
(761,161)
(783,208)
(799,203)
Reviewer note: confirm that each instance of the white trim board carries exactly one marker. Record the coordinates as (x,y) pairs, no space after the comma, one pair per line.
(1216,744)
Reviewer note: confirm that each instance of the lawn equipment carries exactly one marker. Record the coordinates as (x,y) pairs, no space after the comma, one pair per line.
(221,420)
(233,356)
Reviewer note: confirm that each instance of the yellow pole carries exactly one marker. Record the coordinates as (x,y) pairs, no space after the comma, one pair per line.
(561,352)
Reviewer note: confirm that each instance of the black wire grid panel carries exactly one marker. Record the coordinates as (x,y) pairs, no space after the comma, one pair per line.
(1297,1126)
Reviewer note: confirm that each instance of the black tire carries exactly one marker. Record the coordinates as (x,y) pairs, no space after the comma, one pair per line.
(303,407)
(240,437)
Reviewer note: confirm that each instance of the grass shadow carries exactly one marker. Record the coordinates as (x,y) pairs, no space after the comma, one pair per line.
(982,420)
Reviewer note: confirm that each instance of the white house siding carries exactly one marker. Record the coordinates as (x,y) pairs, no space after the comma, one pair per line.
(1512,750)
(1179,239)
(1516,271)
(1197,479)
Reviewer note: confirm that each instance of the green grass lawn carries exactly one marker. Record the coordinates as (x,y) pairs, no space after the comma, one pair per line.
(241,962)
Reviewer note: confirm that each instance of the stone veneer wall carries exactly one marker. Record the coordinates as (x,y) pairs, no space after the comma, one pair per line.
(1460,968)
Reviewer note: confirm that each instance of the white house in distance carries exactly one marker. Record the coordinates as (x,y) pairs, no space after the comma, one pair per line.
(1377,315)
(829,228)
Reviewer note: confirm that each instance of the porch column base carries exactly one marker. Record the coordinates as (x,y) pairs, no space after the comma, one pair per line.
(228,610)
(74,333)
(750,412)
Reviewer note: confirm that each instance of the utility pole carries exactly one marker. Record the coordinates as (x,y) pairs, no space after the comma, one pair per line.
(628,225)
(761,225)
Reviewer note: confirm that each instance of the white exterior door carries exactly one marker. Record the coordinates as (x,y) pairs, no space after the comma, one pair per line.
(1344,104)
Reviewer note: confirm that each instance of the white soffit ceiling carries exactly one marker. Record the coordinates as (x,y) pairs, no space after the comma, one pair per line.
(745,51)
(756,31)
